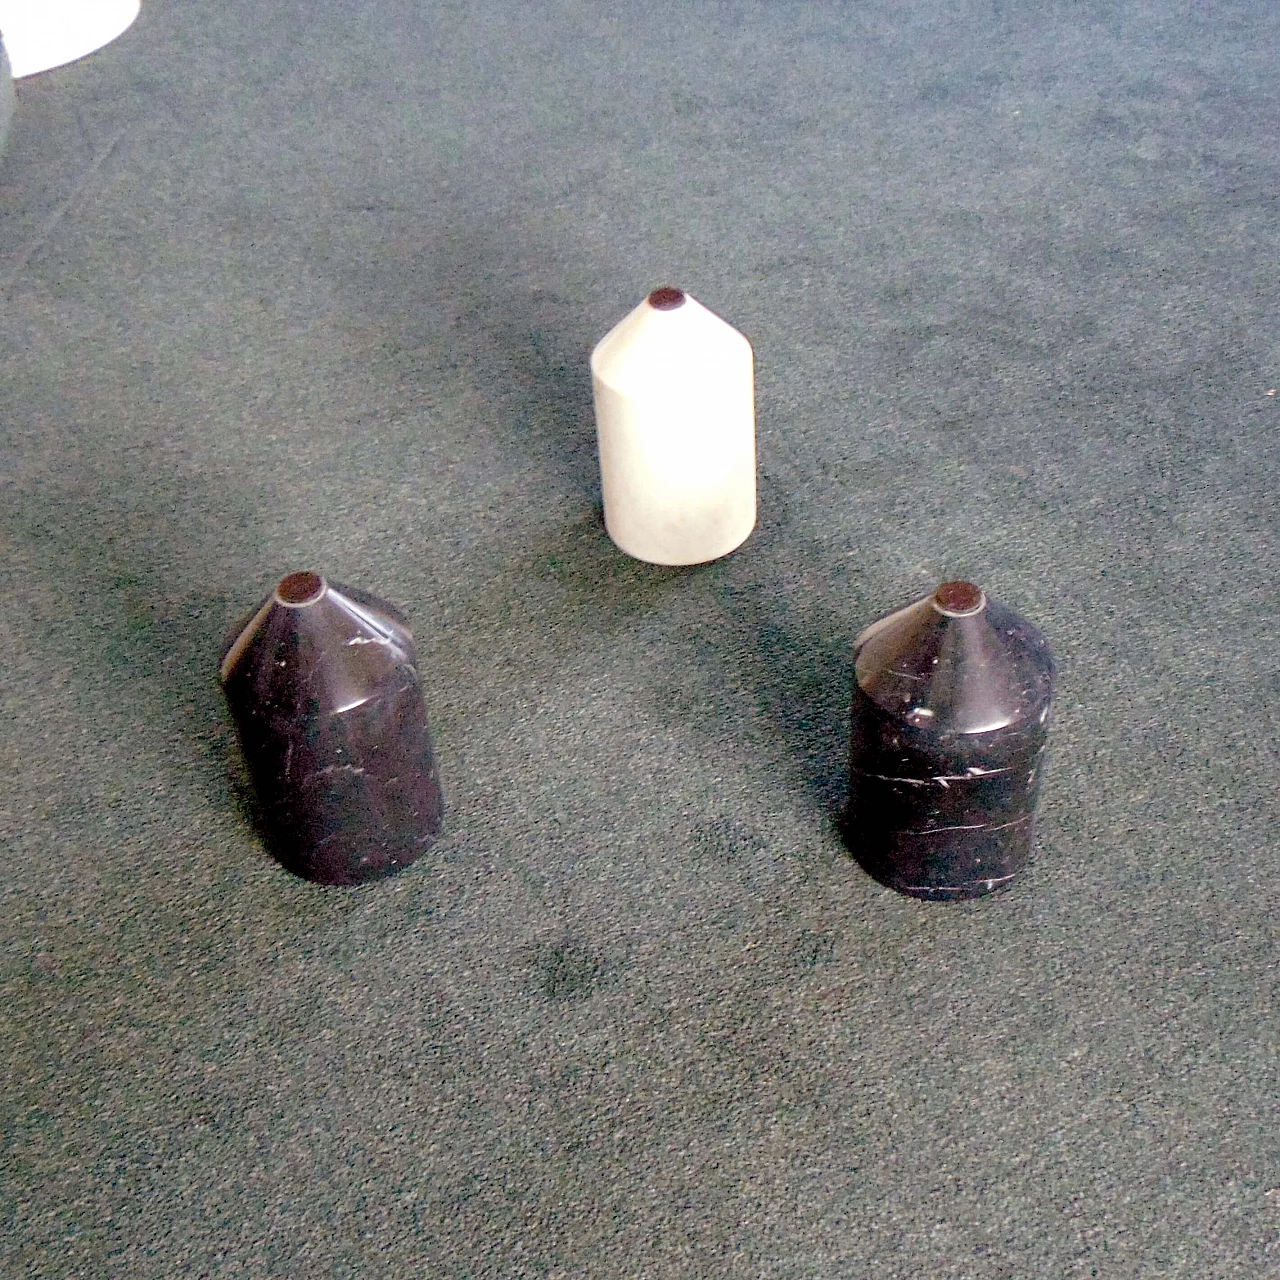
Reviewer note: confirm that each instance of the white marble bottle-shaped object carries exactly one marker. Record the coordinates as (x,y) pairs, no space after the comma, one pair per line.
(675,422)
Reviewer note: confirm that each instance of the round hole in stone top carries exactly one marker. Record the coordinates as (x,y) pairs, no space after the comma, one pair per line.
(959,599)
(666,298)
(300,589)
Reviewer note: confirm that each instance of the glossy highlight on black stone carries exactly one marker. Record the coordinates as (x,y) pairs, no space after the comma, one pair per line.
(951,705)
(323,685)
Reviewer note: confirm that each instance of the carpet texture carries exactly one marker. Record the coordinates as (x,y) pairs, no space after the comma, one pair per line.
(314,286)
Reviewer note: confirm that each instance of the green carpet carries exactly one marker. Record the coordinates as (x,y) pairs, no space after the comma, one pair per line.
(314,286)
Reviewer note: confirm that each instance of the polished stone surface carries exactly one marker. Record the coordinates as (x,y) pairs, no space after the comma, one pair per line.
(323,685)
(322,294)
(950,721)
(6,96)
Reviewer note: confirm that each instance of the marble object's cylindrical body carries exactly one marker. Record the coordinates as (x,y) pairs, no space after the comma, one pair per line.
(42,34)
(7,99)
(323,685)
(674,389)
(950,719)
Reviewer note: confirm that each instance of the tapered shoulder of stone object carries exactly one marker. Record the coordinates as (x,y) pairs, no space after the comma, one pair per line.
(652,341)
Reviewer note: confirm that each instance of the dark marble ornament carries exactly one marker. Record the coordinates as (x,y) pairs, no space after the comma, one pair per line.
(950,716)
(323,685)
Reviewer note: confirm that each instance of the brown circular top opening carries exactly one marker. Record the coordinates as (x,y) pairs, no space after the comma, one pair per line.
(956,599)
(666,298)
(300,588)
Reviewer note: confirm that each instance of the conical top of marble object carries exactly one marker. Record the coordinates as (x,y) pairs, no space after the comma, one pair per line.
(670,345)
(319,643)
(955,662)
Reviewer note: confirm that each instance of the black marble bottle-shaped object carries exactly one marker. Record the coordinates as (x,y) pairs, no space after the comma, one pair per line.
(323,685)
(950,715)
